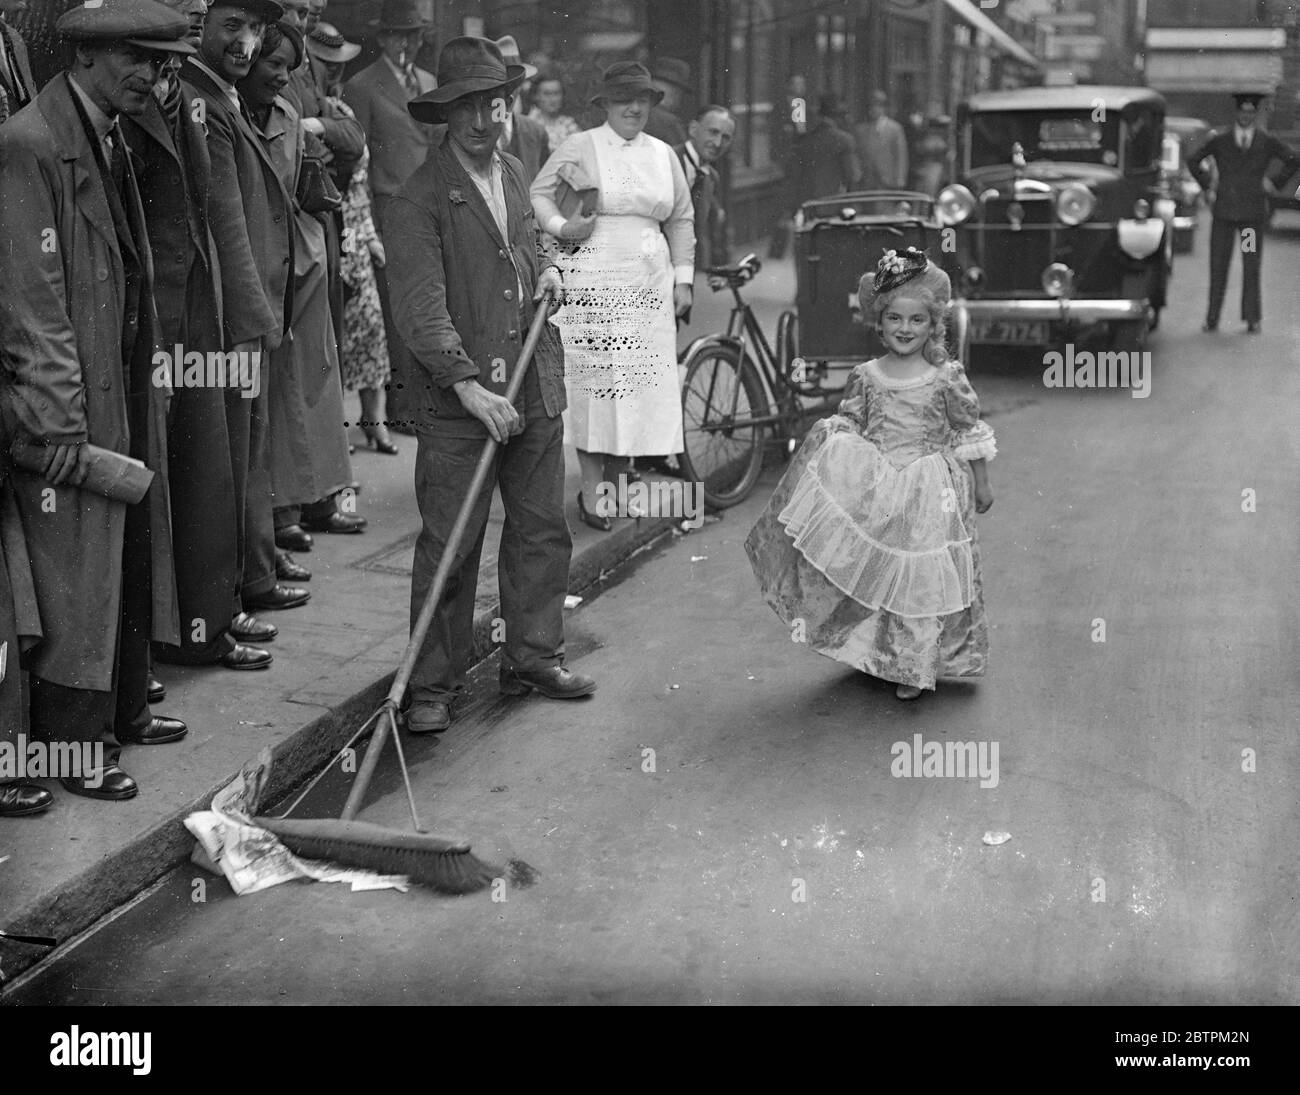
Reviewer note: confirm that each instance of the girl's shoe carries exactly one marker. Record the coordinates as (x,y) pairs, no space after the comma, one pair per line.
(601,524)
(907,692)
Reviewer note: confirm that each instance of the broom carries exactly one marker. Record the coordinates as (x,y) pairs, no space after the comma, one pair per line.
(445,865)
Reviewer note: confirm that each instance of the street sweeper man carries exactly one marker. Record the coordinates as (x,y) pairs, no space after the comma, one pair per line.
(461,243)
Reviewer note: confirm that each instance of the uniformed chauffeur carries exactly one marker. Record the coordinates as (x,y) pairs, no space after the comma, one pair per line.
(77,325)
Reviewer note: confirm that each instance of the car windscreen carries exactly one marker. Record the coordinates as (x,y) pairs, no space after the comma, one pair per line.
(1074,135)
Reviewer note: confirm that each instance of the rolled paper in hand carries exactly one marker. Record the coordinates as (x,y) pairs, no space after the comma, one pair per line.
(121,478)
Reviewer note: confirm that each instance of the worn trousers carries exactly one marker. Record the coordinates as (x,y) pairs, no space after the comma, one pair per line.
(1226,237)
(250,453)
(533,564)
(60,713)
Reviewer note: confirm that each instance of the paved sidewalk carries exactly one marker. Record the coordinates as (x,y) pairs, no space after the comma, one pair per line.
(334,658)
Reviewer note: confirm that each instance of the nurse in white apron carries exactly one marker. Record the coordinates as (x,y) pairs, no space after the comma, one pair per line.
(628,269)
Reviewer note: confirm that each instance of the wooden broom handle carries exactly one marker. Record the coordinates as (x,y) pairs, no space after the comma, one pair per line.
(432,599)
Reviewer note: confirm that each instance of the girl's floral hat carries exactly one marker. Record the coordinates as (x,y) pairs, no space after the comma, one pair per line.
(896,269)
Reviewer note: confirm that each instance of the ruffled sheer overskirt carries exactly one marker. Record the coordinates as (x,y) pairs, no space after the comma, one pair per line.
(875,566)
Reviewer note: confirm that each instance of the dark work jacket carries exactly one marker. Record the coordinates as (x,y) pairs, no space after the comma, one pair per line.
(1241,174)
(453,291)
(704,200)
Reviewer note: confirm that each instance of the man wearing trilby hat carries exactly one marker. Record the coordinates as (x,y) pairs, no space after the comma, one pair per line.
(1242,155)
(462,243)
(77,322)
(523,137)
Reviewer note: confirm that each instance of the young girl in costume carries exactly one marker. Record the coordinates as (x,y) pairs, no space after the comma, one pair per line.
(867,550)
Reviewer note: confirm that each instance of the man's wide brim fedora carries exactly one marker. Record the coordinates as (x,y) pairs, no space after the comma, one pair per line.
(466,66)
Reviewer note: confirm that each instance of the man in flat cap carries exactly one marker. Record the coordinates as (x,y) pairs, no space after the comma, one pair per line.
(78,326)
(1242,154)
(465,272)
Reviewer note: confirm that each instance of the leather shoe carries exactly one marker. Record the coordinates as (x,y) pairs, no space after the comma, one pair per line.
(277,598)
(554,682)
(157,690)
(1210,326)
(286,570)
(20,799)
(1252,328)
(160,731)
(428,718)
(247,657)
(335,522)
(109,782)
(292,538)
(247,628)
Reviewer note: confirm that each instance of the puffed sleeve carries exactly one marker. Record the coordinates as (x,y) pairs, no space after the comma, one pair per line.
(679,228)
(853,407)
(973,438)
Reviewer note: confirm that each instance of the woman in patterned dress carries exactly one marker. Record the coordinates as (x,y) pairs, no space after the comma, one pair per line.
(365,348)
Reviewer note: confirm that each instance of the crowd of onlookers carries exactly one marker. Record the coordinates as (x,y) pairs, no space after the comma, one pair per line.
(196,279)
(194,284)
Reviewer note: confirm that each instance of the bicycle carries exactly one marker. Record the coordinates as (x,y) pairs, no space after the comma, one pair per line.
(739,393)
(732,382)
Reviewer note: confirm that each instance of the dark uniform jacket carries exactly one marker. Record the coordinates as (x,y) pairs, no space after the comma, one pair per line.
(455,298)
(1241,194)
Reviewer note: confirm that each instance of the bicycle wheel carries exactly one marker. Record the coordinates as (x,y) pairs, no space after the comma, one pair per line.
(721,394)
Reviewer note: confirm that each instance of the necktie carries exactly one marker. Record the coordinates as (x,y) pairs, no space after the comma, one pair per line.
(117,160)
(1243,142)
(412,82)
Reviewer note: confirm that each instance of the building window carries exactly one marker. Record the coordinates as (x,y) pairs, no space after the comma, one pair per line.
(750,85)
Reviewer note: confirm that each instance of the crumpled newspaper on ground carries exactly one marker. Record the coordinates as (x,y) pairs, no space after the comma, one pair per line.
(252,859)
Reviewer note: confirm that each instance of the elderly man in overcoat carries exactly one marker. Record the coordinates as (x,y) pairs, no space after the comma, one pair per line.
(77,326)
(465,270)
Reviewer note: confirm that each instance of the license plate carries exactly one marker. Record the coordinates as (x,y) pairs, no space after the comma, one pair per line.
(1014,332)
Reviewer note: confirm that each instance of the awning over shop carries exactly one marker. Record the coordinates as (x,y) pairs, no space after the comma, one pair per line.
(967,10)
(1214,58)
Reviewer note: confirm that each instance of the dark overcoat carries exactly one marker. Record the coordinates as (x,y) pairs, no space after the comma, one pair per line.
(174,173)
(251,223)
(63,380)
(454,292)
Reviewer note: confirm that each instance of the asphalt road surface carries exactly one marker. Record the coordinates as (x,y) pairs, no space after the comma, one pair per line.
(720,823)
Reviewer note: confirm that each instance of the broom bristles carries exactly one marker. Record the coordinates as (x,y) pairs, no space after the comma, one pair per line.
(444,865)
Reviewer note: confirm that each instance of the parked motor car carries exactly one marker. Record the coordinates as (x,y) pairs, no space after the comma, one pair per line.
(1183,135)
(1055,217)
